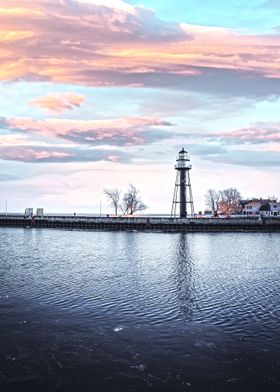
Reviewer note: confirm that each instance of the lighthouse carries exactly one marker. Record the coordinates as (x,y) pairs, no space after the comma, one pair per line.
(183,190)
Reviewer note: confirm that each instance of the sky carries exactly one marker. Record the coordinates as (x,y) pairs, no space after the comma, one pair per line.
(100,94)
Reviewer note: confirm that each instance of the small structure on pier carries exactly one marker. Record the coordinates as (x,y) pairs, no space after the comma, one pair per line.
(183,190)
(40,212)
(28,213)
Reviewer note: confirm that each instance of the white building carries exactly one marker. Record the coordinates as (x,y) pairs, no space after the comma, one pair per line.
(274,208)
(266,208)
(253,207)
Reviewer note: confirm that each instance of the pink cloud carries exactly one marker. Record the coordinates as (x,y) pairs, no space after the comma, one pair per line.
(257,134)
(29,154)
(117,132)
(93,44)
(59,103)
(51,153)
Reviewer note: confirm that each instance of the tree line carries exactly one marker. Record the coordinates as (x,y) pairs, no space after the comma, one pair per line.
(225,202)
(127,204)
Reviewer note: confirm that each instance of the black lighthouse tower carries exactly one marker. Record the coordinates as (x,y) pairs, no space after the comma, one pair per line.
(183,185)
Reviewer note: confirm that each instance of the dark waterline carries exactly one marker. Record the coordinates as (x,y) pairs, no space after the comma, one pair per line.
(101,311)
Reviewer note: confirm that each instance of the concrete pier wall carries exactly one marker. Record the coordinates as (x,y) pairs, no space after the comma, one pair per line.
(143,223)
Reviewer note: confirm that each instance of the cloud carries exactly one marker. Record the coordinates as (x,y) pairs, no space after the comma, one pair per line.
(44,154)
(59,103)
(257,134)
(116,44)
(116,132)
(213,81)
(13,140)
(115,4)
(232,147)
(3,122)
(221,154)
(43,141)
(259,159)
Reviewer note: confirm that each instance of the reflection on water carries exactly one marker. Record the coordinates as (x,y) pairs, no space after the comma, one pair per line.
(185,276)
(101,311)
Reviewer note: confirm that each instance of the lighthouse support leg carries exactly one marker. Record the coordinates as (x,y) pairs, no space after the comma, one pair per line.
(183,196)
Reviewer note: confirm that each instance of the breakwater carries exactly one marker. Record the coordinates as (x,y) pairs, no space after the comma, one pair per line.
(142,223)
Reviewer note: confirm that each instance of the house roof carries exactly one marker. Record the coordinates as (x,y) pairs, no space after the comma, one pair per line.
(253,203)
(257,202)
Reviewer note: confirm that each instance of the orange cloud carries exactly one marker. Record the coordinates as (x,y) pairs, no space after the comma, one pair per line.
(60,102)
(92,44)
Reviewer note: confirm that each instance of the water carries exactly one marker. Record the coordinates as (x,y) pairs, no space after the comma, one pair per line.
(129,311)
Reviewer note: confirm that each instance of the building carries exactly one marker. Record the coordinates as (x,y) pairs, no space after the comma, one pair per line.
(262,207)
(252,208)
(274,208)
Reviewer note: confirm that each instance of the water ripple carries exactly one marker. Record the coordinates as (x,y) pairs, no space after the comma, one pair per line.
(137,278)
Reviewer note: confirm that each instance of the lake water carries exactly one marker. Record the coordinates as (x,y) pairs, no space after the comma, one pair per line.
(129,311)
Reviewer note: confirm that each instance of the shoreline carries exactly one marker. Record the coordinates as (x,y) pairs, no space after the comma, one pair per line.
(148,224)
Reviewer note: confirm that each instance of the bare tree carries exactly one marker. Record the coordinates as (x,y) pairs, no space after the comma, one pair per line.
(131,202)
(212,200)
(113,196)
(230,201)
(272,198)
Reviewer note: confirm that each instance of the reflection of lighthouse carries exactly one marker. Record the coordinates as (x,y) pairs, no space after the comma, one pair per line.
(183,182)
(185,276)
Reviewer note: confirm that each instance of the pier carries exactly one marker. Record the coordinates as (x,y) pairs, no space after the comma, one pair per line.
(151,224)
